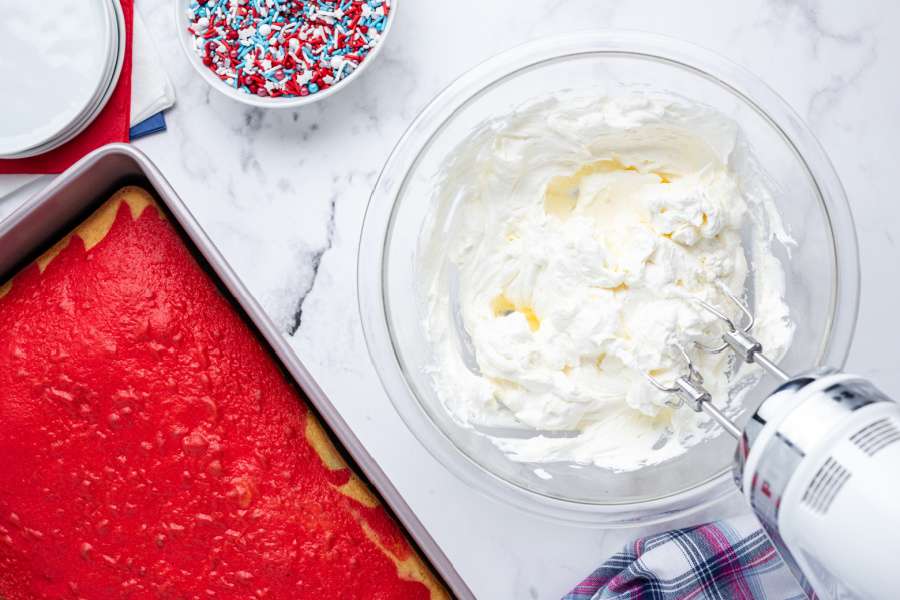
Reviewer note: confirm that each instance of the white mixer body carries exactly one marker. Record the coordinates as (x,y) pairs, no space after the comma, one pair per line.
(820,464)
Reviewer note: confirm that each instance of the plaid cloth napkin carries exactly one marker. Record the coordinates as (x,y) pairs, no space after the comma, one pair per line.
(726,560)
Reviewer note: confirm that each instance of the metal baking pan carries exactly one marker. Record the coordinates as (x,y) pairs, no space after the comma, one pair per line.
(52,213)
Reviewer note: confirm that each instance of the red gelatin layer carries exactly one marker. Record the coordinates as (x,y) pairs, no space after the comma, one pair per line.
(152,448)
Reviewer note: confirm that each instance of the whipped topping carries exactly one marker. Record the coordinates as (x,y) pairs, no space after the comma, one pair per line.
(566,246)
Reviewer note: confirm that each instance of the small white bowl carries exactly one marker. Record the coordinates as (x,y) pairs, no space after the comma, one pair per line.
(187,44)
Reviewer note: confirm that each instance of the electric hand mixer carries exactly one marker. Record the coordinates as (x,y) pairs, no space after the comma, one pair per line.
(819,462)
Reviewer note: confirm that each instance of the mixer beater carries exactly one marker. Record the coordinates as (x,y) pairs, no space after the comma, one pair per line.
(689,386)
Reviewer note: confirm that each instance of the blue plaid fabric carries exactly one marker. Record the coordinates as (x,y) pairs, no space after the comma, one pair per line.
(725,560)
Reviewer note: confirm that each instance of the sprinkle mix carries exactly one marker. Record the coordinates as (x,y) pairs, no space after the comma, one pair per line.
(285,47)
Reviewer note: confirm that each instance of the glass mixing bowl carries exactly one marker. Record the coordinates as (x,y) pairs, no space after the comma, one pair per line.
(822,270)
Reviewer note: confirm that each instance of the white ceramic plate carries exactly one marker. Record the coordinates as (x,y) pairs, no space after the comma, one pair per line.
(115,69)
(71,54)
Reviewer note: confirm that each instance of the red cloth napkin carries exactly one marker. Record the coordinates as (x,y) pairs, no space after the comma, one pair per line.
(111,125)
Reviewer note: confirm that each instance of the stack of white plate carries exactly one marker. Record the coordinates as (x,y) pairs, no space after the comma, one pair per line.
(59,64)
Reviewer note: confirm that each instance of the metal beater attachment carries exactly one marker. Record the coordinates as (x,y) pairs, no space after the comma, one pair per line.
(738,338)
(688,387)
(689,390)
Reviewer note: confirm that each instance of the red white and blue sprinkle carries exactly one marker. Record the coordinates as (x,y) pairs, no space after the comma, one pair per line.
(285,47)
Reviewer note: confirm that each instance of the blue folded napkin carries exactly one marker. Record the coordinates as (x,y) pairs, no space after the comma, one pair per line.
(149,125)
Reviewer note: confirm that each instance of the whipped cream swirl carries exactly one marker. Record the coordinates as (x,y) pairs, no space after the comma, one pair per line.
(567,243)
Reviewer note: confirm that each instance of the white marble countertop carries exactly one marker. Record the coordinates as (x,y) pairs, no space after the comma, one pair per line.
(282,194)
